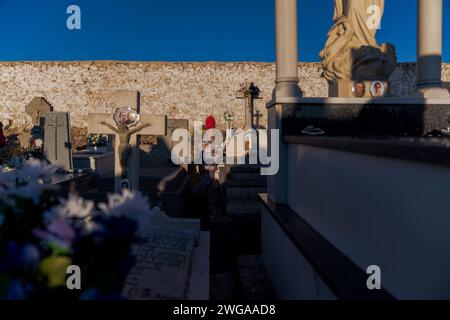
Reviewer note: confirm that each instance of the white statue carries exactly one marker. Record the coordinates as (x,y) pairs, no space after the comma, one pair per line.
(351,50)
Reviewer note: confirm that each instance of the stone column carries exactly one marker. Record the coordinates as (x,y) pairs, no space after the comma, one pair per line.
(286,49)
(429,50)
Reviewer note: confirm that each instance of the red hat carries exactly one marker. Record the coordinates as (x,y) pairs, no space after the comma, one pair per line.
(210,123)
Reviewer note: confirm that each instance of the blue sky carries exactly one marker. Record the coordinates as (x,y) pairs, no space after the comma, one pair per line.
(182,30)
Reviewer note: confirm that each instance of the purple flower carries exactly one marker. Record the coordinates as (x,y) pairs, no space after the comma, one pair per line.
(59,232)
(62,229)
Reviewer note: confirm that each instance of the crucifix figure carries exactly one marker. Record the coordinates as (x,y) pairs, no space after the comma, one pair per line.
(250,93)
(124,125)
(124,134)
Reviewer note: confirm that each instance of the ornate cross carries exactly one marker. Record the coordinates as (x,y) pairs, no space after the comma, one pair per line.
(126,167)
(250,93)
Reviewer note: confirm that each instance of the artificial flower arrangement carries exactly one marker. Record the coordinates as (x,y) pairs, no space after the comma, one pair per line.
(97,140)
(228,116)
(41,235)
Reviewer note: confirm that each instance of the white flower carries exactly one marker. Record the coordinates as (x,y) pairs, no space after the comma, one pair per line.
(72,207)
(32,190)
(130,203)
(28,182)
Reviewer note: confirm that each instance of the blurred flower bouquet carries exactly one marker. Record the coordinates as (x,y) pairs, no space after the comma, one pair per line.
(41,235)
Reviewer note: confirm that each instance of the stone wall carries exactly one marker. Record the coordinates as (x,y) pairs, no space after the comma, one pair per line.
(179,90)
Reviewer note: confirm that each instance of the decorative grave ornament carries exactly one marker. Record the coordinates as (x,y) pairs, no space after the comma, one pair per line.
(123,124)
(229,118)
(125,118)
(96,141)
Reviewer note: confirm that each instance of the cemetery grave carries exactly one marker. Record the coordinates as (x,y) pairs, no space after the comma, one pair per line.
(361,181)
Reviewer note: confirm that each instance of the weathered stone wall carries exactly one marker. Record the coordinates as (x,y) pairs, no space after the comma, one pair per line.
(179,90)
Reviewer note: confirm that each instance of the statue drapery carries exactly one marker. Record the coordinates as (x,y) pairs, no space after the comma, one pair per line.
(351,50)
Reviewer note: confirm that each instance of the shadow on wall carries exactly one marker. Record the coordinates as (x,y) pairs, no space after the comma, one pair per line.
(372,63)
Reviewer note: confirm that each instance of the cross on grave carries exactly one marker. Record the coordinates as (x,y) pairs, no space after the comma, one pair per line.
(250,93)
(57,144)
(54,123)
(257,116)
(126,168)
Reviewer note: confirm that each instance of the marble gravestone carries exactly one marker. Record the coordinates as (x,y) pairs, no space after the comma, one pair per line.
(57,142)
(163,259)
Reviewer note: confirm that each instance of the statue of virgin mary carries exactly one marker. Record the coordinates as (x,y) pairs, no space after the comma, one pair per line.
(351,50)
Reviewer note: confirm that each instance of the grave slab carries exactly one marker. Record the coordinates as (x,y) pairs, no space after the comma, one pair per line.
(163,259)
(57,143)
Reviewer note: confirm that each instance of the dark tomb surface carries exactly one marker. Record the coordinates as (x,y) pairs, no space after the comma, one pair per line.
(254,283)
(380,118)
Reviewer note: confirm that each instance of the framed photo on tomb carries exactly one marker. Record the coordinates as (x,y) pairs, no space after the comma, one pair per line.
(377,89)
(126,116)
(359,89)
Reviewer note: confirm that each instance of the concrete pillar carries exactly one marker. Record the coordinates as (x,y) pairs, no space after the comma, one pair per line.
(286,49)
(286,92)
(429,50)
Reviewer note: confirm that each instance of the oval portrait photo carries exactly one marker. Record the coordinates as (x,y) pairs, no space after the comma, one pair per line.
(126,116)
(359,89)
(377,89)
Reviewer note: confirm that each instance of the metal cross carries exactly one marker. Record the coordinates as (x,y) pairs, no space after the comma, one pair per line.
(250,92)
